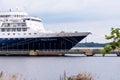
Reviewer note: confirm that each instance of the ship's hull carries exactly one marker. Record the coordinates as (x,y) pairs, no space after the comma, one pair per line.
(44,43)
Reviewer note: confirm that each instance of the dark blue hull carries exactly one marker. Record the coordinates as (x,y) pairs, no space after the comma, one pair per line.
(50,43)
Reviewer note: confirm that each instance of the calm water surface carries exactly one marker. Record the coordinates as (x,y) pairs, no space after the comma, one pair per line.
(50,68)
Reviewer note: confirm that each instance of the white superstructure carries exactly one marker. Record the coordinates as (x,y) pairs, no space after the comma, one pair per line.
(17,23)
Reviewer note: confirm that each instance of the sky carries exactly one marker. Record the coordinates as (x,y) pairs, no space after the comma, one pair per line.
(95,16)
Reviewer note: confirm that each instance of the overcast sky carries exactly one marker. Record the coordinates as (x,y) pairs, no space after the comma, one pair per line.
(95,16)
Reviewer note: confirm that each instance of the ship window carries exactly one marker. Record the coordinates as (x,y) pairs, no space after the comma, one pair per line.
(24,29)
(14,25)
(5,25)
(18,29)
(18,33)
(35,33)
(13,33)
(4,15)
(35,20)
(8,29)
(6,19)
(8,33)
(16,15)
(19,24)
(24,33)
(13,29)
(29,33)
(8,24)
(23,20)
(3,30)
(23,24)
(27,19)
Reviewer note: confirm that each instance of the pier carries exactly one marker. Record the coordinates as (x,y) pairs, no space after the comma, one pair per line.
(85,51)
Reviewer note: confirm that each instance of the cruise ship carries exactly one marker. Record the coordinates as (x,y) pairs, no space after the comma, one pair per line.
(19,31)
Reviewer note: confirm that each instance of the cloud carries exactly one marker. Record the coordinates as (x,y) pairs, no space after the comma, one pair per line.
(61,5)
(44,5)
(74,7)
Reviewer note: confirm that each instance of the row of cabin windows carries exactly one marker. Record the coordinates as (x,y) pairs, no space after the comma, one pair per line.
(33,20)
(11,16)
(13,25)
(13,29)
(19,34)
(12,39)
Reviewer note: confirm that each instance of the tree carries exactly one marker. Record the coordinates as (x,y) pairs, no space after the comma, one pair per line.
(115,43)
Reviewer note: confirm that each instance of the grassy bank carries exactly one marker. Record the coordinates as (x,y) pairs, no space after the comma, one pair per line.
(79,76)
(4,76)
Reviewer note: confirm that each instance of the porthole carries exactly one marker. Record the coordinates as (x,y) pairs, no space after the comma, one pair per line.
(13,33)
(8,33)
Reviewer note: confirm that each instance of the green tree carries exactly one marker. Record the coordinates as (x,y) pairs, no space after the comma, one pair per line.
(115,41)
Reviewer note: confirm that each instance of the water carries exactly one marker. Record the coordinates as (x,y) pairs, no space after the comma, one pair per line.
(50,68)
